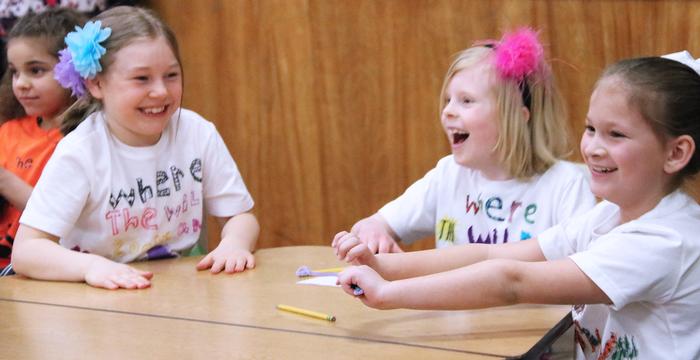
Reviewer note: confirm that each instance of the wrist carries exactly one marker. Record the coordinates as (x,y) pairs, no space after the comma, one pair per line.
(235,244)
(90,261)
(386,296)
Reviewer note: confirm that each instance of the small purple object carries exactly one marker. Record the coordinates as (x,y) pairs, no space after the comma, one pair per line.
(356,290)
(304,271)
(66,75)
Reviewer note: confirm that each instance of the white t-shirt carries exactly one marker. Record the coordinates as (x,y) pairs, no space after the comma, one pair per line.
(650,270)
(460,206)
(125,203)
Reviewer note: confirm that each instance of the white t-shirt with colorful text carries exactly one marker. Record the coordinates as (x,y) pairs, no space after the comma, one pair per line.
(125,203)
(459,206)
(650,270)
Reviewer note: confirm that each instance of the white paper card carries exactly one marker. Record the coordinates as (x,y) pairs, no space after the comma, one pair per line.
(321,281)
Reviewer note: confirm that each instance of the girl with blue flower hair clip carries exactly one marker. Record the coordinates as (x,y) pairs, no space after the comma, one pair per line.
(135,174)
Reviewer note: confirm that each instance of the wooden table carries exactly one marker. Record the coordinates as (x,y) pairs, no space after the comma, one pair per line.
(188,314)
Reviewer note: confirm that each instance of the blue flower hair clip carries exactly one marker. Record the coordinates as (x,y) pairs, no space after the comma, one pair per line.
(81,58)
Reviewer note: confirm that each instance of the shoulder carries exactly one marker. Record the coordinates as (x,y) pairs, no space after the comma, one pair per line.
(187,126)
(18,124)
(565,174)
(186,119)
(677,214)
(449,171)
(91,134)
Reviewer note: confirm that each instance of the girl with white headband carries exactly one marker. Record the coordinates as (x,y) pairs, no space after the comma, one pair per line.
(633,261)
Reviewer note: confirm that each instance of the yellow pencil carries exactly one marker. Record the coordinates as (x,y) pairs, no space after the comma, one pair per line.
(330,270)
(313,314)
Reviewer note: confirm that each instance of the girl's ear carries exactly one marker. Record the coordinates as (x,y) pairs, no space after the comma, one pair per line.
(526,113)
(680,151)
(94,86)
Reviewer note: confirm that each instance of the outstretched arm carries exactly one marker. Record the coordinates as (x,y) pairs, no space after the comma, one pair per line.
(417,263)
(486,284)
(235,251)
(36,254)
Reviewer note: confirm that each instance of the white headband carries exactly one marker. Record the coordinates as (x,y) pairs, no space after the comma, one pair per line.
(684,57)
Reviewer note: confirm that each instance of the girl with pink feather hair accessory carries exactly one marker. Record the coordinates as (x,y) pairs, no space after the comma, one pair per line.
(505,180)
(630,264)
(518,54)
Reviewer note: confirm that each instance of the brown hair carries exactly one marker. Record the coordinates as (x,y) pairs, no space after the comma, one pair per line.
(127,23)
(51,26)
(667,95)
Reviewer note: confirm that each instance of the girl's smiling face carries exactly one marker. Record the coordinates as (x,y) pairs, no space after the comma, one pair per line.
(140,91)
(469,119)
(624,154)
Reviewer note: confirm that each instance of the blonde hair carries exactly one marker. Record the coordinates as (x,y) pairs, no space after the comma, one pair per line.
(128,24)
(525,147)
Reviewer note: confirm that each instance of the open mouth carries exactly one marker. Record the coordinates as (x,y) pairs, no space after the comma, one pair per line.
(155,110)
(603,170)
(459,137)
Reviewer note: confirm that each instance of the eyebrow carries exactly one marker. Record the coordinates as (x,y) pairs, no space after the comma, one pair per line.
(137,68)
(32,62)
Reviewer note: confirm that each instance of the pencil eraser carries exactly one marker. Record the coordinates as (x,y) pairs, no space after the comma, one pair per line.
(356,290)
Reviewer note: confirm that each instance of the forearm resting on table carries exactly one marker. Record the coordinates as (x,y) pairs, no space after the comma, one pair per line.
(419,263)
(241,231)
(45,259)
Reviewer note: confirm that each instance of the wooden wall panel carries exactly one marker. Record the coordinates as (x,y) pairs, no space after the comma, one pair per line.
(330,106)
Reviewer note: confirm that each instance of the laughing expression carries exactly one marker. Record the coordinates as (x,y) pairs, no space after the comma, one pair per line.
(140,91)
(469,119)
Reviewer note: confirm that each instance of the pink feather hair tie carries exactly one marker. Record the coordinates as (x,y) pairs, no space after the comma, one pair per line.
(518,54)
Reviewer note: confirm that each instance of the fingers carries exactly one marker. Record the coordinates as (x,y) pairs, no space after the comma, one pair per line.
(218,265)
(131,280)
(107,284)
(235,265)
(337,238)
(146,274)
(358,254)
(345,280)
(346,246)
(373,245)
(386,246)
(110,275)
(206,262)
(344,240)
(228,264)
(250,264)
(344,243)
(123,281)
